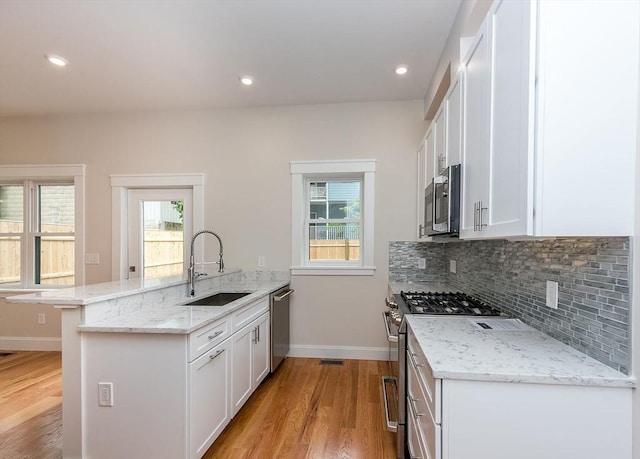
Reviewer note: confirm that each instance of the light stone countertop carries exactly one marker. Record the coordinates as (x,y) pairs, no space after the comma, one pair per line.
(174,318)
(456,349)
(155,305)
(94,293)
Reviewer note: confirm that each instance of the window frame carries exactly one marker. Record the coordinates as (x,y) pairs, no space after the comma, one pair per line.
(304,172)
(29,176)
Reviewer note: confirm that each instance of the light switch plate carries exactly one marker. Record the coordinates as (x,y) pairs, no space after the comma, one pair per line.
(422,263)
(452,266)
(552,294)
(261,261)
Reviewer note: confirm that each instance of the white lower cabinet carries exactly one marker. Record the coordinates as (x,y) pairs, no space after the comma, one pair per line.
(210,392)
(485,419)
(250,360)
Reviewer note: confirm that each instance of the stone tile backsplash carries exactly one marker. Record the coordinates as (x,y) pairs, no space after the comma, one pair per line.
(403,262)
(593,283)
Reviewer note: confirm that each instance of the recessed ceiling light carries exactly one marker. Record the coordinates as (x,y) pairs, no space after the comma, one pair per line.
(401,69)
(246,80)
(57,60)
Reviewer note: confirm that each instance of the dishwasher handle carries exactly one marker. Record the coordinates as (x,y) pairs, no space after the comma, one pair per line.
(284,295)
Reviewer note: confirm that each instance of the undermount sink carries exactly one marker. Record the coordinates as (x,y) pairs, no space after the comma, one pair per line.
(218,299)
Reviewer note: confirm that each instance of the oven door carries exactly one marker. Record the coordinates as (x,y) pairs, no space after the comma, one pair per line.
(390,382)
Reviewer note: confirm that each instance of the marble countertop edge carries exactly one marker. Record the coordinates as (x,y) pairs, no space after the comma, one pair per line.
(623,382)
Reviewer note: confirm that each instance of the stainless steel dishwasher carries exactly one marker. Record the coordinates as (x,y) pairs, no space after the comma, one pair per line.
(279,308)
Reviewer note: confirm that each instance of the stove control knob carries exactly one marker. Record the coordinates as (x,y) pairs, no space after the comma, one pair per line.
(391,304)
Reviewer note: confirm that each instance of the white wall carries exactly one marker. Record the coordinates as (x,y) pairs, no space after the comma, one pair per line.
(245,156)
(20,330)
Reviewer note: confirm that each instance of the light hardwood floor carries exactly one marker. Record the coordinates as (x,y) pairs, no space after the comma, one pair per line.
(31,405)
(308,410)
(304,410)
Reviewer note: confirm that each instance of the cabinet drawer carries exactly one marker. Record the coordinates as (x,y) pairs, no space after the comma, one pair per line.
(431,386)
(422,414)
(205,338)
(243,316)
(414,440)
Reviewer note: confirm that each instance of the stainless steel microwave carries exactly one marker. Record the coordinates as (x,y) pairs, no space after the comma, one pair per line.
(442,203)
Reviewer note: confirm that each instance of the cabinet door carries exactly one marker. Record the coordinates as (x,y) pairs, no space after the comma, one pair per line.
(440,154)
(476,92)
(430,154)
(251,360)
(241,385)
(210,392)
(509,199)
(421,185)
(260,357)
(453,114)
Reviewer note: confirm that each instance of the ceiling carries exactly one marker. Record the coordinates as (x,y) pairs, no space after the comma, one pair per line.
(133,55)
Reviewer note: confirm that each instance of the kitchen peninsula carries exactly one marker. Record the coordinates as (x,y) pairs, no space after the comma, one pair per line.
(133,352)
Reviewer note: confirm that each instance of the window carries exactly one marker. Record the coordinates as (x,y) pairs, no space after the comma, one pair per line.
(332,217)
(40,240)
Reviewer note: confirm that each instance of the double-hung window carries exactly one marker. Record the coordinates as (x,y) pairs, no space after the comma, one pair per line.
(332,216)
(39,214)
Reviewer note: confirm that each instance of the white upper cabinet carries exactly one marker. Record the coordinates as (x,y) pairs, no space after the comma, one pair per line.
(440,153)
(453,115)
(549,120)
(426,171)
(421,179)
(441,147)
(474,176)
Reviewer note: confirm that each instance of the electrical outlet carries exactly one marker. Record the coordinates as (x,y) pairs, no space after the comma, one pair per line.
(422,263)
(552,294)
(452,266)
(105,394)
(92,258)
(42,320)
(261,261)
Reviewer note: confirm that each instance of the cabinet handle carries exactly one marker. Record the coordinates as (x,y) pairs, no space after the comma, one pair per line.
(415,409)
(258,329)
(413,360)
(480,209)
(215,335)
(218,352)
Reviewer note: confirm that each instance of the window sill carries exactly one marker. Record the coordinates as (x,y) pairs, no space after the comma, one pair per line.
(333,271)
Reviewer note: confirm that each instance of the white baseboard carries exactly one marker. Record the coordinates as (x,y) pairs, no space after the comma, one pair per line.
(27,343)
(339,352)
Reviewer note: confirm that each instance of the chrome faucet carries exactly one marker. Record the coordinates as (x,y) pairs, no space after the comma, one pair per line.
(193,275)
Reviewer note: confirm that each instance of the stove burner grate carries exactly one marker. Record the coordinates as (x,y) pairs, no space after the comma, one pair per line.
(441,303)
